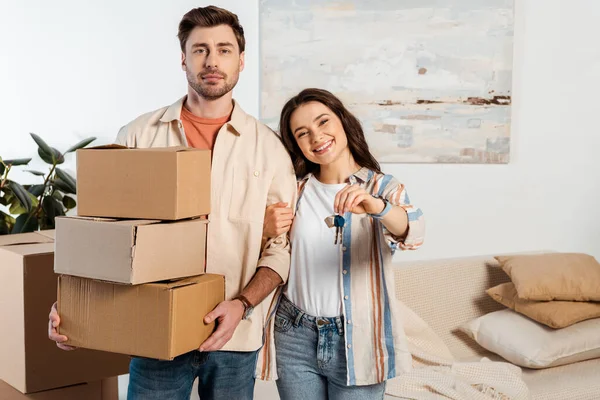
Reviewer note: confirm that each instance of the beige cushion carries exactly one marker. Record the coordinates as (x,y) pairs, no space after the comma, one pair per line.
(555,314)
(529,344)
(554,276)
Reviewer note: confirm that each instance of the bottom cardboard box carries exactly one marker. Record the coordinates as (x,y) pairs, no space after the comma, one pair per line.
(155,320)
(106,389)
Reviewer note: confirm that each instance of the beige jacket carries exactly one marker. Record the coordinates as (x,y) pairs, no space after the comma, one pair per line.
(250,170)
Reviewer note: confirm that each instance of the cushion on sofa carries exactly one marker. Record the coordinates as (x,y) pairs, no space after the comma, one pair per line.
(529,344)
(555,314)
(554,276)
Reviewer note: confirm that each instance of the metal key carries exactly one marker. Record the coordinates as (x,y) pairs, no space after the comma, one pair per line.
(338,222)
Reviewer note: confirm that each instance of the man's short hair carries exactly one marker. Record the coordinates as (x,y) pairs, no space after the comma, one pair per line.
(207,17)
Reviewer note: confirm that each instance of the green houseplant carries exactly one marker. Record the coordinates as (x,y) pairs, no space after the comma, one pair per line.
(34,206)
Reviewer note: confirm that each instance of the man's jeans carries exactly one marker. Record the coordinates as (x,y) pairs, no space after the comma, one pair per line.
(311,358)
(222,375)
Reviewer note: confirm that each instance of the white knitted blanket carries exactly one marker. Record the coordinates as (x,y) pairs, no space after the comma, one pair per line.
(437,375)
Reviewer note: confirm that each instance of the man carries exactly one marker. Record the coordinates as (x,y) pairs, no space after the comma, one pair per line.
(250,170)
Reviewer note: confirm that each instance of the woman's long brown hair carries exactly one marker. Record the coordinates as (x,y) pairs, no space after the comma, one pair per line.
(356,138)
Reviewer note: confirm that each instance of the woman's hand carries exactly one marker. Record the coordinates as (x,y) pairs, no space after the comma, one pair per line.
(357,200)
(278,220)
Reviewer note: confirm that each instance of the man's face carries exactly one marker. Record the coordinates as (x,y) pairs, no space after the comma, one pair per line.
(212,61)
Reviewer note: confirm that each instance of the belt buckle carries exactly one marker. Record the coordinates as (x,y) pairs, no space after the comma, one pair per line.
(322,322)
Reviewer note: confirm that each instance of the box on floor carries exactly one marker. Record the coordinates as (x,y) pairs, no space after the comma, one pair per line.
(106,389)
(29,361)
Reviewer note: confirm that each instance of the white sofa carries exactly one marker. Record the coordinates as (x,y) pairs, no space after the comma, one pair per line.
(448,293)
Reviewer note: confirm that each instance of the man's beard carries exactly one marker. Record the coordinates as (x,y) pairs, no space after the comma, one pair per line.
(212,92)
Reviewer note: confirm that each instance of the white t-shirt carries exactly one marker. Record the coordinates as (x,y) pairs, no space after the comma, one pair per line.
(314,283)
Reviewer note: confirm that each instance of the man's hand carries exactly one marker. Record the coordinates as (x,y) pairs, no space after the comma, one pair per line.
(228,315)
(54,321)
(278,220)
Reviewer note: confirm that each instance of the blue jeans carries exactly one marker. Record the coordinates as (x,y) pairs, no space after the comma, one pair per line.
(311,358)
(222,375)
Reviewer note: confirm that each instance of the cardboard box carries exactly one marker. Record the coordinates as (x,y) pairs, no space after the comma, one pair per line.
(154,320)
(106,389)
(29,361)
(130,251)
(160,183)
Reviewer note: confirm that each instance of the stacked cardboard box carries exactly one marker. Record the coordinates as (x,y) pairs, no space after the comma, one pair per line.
(29,361)
(132,263)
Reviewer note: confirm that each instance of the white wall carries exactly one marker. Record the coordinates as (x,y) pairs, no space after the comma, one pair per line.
(72,69)
(547,197)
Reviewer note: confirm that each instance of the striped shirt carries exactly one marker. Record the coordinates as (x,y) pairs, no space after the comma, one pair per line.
(376,345)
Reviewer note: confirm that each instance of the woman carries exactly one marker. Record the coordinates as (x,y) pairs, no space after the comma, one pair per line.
(338,332)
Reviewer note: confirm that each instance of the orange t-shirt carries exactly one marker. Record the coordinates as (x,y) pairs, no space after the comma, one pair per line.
(201,133)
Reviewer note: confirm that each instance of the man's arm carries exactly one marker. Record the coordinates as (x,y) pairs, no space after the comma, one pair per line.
(273,265)
(230,313)
(262,284)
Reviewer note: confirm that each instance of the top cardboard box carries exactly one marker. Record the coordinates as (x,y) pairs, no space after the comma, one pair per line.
(168,183)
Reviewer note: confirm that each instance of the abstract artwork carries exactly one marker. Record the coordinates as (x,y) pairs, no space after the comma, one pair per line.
(430,80)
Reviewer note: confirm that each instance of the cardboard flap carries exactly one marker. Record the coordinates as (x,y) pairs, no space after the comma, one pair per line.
(115,221)
(99,219)
(187,244)
(178,283)
(112,146)
(50,233)
(195,280)
(24,238)
(137,222)
(181,283)
(171,149)
(94,249)
(30,249)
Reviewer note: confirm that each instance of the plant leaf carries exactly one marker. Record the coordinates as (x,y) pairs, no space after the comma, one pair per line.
(6,218)
(41,144)
(16,208)
(80,145)
(36,173)
(57,195)
(17,161)
(52,158)
(69,202)
(52,208)
(62,185)
(36,190)
(25,223)
(47,157)
(58,156)
(4,228)
(68,179)
(21,194)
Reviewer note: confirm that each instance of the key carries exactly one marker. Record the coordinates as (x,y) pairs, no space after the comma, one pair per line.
(338,222)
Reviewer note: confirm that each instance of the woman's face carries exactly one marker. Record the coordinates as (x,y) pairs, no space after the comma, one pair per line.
(319,133)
